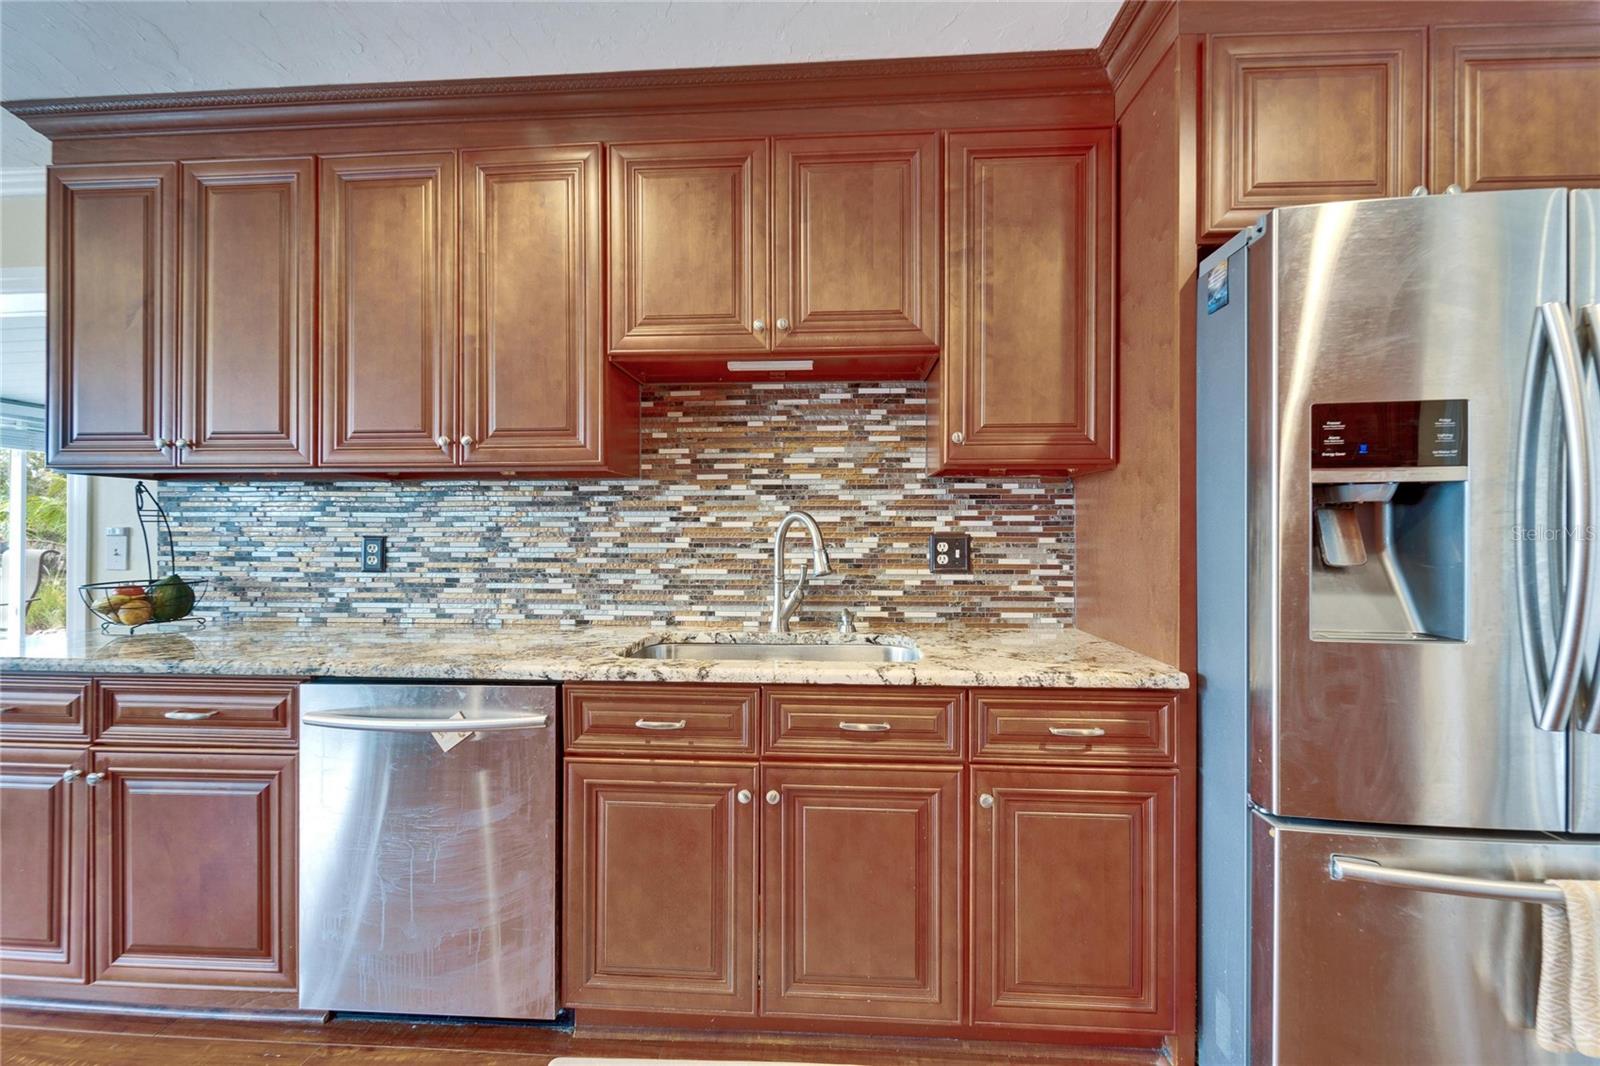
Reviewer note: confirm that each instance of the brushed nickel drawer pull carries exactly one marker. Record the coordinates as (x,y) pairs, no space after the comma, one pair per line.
(647,723)
(865,727)
(189,716)
(1076,731)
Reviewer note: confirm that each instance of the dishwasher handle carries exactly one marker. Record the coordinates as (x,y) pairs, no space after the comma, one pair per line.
(375,724)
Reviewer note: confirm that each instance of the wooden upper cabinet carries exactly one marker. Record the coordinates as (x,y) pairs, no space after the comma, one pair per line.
(861,893)
(388,301)
(1515,106)
(855,242)
(535,383)
(1073,899)
(1309,118)
(44,836)
(659,887)
(688,247)
(1027,381)
(248,268)
(112,296)
(194,880)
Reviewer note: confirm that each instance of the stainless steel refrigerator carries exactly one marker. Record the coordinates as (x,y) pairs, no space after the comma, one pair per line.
(1398,419)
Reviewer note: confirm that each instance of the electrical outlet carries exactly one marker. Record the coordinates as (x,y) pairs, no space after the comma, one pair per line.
(949,553)
(374,554)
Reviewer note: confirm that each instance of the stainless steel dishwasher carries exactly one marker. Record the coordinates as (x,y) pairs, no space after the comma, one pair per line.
(428,849)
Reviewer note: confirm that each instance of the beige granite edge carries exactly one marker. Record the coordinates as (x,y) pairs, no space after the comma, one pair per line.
(1015,657)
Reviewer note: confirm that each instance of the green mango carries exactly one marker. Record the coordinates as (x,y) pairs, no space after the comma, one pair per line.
(171,598)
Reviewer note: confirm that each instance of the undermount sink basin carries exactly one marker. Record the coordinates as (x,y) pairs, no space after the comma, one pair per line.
(860,652)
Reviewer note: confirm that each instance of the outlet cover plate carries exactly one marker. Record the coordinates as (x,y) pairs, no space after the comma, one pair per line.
(949,553)
(374,554)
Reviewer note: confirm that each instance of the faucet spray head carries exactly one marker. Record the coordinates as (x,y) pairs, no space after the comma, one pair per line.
(819,563)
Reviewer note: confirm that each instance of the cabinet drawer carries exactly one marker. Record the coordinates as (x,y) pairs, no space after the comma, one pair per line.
(44,708)
(869,723)
(1111,727)
(202,711)
(660,718)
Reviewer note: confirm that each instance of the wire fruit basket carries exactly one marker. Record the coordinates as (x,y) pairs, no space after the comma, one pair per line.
(158,601)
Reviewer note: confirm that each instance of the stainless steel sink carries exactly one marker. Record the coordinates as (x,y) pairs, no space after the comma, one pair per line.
(857,652)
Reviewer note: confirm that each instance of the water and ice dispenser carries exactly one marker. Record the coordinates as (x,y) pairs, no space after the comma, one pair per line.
(1389,521)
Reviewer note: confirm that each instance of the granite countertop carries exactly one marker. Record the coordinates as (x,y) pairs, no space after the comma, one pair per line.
(958,657)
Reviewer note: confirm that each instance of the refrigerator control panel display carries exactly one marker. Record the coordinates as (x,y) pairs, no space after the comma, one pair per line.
(1395,433)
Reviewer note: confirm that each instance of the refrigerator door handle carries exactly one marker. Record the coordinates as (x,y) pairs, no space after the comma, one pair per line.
(1553,698)
(1367,871)
(1589,323)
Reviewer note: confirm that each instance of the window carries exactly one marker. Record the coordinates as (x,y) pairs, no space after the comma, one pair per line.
(34,593)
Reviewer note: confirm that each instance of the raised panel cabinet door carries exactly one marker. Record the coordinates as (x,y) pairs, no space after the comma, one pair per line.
(194,878)
(248,269)
(660,887)
(537,391)
(1073,900)
(389,329)
(112,300)
(1514,107)
(855,242)
(861,894)
(688,247)
(1308,118)
(1027,382)
(44,838)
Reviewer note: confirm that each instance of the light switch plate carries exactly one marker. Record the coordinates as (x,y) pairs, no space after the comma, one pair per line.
(117,538)
(374,555)
(949,553)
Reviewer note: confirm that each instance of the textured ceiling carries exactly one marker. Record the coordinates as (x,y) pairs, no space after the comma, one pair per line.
(59,48)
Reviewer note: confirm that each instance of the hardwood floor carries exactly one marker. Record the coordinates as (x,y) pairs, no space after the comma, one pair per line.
(72,1038)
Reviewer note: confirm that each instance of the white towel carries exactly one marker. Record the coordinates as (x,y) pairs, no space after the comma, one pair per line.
(1568,1016)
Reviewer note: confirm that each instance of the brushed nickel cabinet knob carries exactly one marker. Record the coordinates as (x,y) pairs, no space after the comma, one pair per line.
(94,779)
(773,797)
(759,326)
(783,323)
(958,437)
(744,795)
(986,801)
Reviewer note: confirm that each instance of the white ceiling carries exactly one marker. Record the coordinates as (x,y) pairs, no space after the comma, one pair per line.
(59,48)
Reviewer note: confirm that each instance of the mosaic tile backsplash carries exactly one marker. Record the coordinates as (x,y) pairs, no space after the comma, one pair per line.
(689,541)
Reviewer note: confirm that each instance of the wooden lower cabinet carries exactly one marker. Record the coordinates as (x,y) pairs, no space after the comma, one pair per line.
(44,838)
(861,893)
(660,887)
(1073,904)
(194,879)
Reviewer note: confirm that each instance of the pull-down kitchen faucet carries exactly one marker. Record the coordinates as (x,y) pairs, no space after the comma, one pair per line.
(783,606)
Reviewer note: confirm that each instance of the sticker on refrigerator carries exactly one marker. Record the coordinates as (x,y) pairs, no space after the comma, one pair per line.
(1217,288)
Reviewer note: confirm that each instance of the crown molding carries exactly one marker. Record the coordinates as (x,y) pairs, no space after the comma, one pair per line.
(1136,38)
(1002,74)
